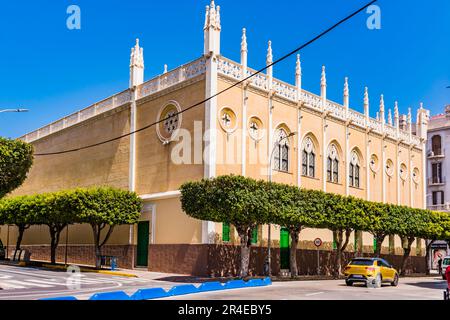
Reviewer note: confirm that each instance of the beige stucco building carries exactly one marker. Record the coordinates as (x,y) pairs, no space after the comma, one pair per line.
(312,142)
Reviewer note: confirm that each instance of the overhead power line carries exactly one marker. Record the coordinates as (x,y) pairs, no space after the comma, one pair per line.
(320,35)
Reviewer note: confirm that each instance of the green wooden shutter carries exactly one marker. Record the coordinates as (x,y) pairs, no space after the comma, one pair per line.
(374,244)
(225,232)
(255,236)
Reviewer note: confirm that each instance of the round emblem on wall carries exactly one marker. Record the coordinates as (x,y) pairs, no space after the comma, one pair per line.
(416,176)
(374,166)
(227,120)
(255,128)
(403,172)
(169,119)
(389,168)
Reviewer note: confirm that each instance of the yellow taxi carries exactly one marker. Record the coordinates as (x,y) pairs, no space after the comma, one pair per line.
(371,271)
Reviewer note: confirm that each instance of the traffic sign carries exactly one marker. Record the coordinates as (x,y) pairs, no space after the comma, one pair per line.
(318,242)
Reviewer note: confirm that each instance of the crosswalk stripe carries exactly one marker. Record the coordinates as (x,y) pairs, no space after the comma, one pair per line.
(24,283)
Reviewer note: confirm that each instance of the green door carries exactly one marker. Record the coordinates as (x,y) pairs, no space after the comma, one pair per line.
(284,248)
(142,243)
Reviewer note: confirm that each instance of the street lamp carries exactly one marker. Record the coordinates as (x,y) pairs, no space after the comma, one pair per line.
(14,110)
(269,238)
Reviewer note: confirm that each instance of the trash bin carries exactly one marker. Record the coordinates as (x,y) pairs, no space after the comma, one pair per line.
(113,263)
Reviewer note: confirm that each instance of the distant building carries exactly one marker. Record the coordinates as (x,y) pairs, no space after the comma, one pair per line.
(316,143)
(438,171)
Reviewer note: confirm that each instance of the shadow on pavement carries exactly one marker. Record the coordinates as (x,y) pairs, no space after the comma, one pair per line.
(436,284)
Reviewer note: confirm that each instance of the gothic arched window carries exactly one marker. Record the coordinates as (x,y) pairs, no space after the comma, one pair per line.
(281,152)
(333,164)
(354,174)
(308,158)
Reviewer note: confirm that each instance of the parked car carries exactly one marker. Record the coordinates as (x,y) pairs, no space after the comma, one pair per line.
(2,251)
(371,271)
(445,264)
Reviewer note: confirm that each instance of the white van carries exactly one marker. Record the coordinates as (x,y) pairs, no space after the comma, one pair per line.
(445,264)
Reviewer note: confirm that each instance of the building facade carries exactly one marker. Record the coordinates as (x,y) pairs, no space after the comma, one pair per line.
(261,128)
(438,165)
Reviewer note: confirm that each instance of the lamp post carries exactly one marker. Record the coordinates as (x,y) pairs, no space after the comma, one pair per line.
(14,110)
(269,238)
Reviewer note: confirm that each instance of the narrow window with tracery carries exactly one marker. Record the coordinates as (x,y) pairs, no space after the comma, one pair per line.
(308,158)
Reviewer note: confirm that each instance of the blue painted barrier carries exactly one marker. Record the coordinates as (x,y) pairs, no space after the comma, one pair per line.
(235,284)
(183,289)
(116,295)
(68,298)
(256,283)
(267,281)
(147,294)
(211,286)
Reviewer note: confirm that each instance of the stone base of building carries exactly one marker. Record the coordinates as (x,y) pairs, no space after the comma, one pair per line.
(207,260)
(224,260)
(80,254)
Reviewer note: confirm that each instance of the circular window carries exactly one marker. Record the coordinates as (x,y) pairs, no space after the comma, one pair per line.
(403,172)
(374,163)
(255,128)
(169,119)
(227,120)
(416,176)
(389,168)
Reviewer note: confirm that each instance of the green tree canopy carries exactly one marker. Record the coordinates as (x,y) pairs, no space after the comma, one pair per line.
(241,201)
(16,158)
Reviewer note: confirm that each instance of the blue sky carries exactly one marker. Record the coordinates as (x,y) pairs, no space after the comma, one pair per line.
(54,71)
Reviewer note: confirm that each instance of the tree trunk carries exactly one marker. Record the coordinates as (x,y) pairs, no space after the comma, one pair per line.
(22,228)
(55,232)
(379,239)
(341,245)
(294,233)
(98,243)
(427,257)
(245,238)
(406,252)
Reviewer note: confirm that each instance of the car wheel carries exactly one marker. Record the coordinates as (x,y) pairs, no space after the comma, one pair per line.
(349,283)
(395,282)
(377,281)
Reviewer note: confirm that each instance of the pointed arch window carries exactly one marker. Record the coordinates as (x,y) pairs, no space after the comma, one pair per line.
(333,164)
(354,170)
(281,152)
(308,158)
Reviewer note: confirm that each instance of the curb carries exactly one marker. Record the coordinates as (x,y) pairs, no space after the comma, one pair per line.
(108,272)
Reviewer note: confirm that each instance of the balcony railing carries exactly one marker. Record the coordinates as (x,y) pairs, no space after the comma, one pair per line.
(436,181)
(439,207)
(437,153)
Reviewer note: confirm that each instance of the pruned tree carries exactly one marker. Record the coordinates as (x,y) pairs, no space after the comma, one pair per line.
(240,201)
(16,158)
(380,223)
(18,211)
(343,215)
(296,209)
(103,209)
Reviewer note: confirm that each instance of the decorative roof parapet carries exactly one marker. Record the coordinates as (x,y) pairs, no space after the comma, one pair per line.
(159,83)
(233,70)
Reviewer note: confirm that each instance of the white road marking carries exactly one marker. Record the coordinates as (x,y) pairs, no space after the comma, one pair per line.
(314,294)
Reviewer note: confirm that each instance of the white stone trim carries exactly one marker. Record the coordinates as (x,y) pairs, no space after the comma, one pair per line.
(160,196)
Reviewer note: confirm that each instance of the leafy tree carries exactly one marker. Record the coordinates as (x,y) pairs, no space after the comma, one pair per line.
(105,208)
(240,201)
(296,209)
(16,158)
(18,211)
(380,223)
(343,215)
(410,223)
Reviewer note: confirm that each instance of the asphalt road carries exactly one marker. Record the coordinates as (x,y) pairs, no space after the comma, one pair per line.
(31,283)
(424,288)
